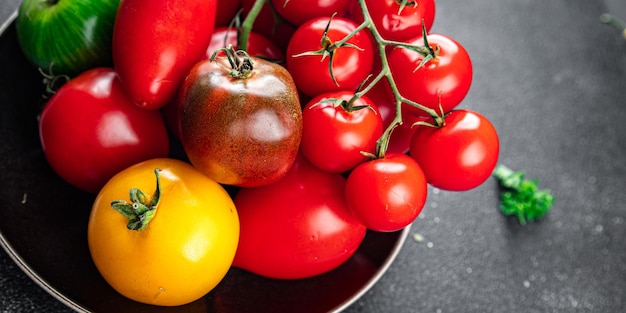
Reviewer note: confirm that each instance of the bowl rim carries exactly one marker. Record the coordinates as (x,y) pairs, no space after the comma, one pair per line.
(61,297)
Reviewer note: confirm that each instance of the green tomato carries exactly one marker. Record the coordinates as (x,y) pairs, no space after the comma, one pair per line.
(66,36)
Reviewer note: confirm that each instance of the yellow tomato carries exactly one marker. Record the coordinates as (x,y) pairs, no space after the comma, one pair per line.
(181,249)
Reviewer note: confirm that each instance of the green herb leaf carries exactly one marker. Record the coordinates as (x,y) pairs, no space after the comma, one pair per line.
(522,197)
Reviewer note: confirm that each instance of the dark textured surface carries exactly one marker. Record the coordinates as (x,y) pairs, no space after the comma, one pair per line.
(552,79)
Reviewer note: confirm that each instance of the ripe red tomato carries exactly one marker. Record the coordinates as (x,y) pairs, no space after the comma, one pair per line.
(350,65)
(90,130)
(226,11)
(299,11)
(240,131)
(333,137)
(258,45)
(394,26)
(444,81)
(155,45)
(401,136)
(461,154)
(297,227)
(269,24)
(387,194)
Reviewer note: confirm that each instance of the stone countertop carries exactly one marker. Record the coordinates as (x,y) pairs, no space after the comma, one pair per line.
(552,79)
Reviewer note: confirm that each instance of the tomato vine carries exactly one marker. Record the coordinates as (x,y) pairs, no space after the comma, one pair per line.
(328,48)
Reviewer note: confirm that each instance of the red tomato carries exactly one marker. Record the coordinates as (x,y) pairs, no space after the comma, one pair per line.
(444,81)
(387,194)
(297,227)
(299,11)
(90,130)
(393,26)
(461,154)
(333,137)
(258,45)
(155,45)
(226,11)
(401,136)
(350,65)
(269,24)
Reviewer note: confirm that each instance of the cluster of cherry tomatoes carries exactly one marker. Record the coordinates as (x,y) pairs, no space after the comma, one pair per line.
(333,121)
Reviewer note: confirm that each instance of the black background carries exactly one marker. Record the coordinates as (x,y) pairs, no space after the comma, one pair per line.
(552,79)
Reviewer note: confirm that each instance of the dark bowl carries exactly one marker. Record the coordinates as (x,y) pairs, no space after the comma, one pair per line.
(43,226)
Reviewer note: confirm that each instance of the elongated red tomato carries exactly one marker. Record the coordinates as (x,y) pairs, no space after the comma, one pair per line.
(155,44)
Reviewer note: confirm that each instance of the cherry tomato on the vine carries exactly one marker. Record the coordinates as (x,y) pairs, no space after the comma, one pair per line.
(166,244)
(393,24)
(443,81)
(333,136)
(297,227)
(312,73)
(299,11)
(90,130)
(155,45)
(461,154)
(388,193)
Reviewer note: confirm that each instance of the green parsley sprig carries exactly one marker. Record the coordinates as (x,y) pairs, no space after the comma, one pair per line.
(522,197)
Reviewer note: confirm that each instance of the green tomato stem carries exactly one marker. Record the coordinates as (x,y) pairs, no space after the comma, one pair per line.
(141,209)
(426,51)
(248,22)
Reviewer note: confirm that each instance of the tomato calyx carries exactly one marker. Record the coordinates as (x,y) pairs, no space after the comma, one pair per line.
(329,48)
(142,208)
(404,3)
(240,62)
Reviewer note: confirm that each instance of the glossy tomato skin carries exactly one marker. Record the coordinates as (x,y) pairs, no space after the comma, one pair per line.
(243,132)
(460,155)
(226,11)
(184,251)
(382,96)
(90,130)
(258,45)
(155,45)
(66,37)
(387,194)
(299,11)
(298,227)
(394,26)
(334,137)
(444,81)
(350,65)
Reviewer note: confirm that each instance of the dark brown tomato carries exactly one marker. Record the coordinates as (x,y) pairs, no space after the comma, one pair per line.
(240,131)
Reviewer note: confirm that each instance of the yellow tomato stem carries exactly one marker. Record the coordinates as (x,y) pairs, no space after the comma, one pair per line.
(141,208)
